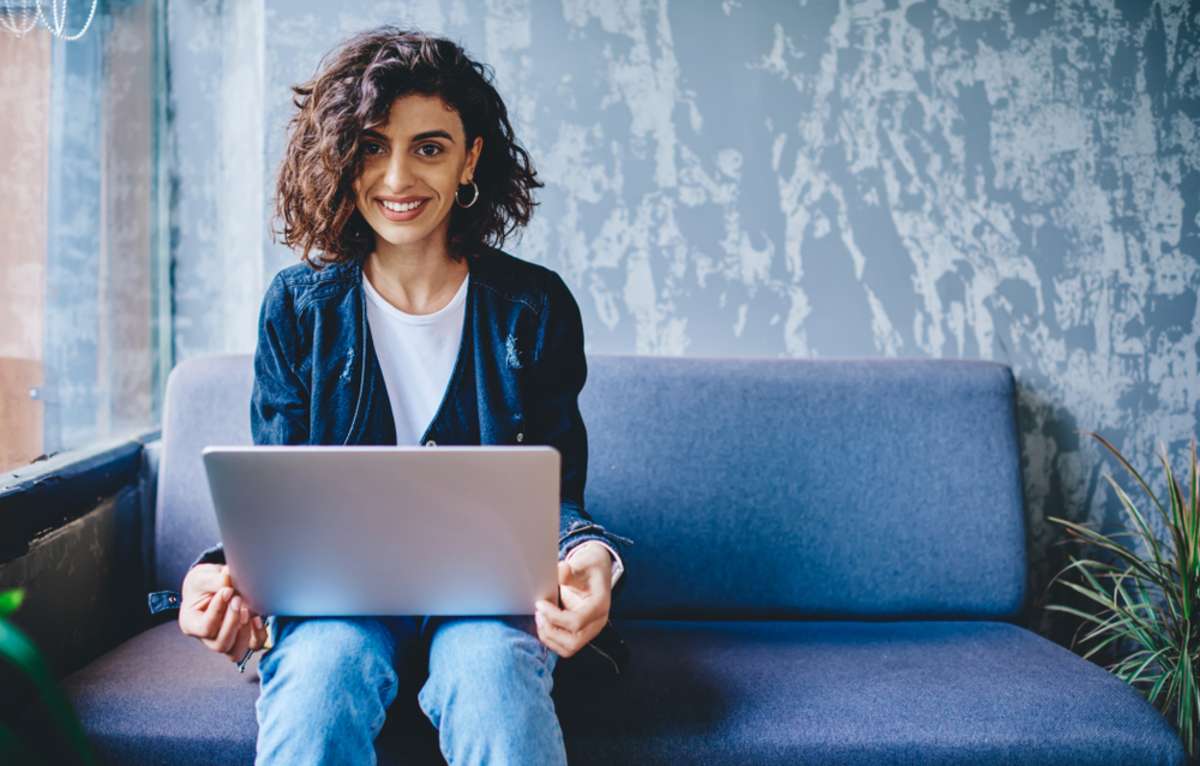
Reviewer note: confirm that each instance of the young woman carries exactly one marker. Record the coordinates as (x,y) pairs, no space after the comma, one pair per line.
(404,324)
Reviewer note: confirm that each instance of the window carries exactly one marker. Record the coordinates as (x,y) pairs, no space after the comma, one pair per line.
(84,300)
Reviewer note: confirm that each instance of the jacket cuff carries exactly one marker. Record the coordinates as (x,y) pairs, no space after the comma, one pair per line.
(580,530)
(213,555)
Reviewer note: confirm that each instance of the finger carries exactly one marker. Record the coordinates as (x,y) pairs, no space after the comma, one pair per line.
(556,632)
(229,628)
(191,617)
(566,575)
(575,642)
(258,633)
(547,636)
(205,624)
(572,619)
(241,643)
(585,599)
(592,583)
(561,618)
(227,631)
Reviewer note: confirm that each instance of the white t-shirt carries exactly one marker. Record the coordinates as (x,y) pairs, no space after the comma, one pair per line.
(416,353)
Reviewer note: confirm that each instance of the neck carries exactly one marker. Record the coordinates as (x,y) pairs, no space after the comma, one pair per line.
(416,279)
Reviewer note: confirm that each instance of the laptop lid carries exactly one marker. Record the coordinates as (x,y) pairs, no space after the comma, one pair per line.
(312,530)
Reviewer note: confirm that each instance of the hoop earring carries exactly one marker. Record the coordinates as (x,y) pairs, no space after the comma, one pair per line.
(474,199)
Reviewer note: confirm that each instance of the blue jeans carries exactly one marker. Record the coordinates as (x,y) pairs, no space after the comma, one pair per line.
(327,683)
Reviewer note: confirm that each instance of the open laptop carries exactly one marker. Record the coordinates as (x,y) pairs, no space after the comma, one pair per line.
(388,530)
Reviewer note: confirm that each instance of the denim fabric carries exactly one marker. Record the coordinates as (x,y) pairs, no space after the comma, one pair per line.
(327,684)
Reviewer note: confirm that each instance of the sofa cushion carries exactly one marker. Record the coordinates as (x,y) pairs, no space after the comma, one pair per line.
(927,692)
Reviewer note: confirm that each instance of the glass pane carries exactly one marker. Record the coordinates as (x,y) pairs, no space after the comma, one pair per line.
(79,298)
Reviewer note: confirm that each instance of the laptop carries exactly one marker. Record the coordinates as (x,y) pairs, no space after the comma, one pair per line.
(346,531)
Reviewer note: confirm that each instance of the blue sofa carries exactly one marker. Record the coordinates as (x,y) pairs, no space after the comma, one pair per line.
(829,564)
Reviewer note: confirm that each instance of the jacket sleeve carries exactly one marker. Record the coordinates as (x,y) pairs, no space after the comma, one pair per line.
(279,404)
(559,372)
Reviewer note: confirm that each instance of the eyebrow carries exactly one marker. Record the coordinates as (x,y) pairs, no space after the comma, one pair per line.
(417,137)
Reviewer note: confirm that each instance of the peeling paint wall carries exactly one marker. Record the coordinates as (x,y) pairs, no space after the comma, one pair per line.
(1017,181)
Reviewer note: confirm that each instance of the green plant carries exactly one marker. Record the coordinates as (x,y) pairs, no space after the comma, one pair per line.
(1149,605)
(39,726)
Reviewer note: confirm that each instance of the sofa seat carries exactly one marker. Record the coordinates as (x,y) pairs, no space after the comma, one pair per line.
(744,692)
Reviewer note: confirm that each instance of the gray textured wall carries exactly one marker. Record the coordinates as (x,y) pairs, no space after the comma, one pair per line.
(1017,181)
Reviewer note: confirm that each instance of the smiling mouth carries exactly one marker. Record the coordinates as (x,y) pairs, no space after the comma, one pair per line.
(401,211)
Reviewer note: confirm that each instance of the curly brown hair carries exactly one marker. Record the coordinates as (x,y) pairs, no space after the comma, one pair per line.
(353,89)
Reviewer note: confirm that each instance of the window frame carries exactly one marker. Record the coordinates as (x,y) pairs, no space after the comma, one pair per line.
(59,487)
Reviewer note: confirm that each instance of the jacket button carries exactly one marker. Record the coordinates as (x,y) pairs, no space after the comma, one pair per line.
(520,436)
(170,599)
(431,443)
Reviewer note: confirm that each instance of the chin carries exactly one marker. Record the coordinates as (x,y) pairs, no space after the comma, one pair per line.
(403,238)
(398,234)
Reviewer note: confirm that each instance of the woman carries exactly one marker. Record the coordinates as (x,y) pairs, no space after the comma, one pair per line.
(403,324)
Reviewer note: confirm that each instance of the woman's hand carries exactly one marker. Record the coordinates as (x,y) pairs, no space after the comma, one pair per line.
(585,590)
(212,611)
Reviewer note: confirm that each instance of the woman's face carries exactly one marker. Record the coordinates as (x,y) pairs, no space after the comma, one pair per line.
(412,167)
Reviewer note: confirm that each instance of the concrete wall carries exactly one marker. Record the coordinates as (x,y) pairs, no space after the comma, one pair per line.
(1009,180)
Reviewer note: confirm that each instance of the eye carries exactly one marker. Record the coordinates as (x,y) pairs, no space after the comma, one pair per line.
(372,147)
(437,149)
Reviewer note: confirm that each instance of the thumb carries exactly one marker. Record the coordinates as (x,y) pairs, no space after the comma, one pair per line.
(569,576)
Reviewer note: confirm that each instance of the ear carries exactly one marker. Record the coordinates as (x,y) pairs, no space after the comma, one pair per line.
(472,159)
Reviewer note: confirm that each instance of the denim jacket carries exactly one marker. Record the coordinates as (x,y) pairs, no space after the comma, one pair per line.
(517,379)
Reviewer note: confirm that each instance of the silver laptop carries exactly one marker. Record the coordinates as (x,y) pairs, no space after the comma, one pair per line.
(388,530)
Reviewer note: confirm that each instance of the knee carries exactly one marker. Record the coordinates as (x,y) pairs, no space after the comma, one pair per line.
(478,667)
(328,666)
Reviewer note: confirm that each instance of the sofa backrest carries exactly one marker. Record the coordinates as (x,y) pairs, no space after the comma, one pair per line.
(806,488)
(752,487)
(207,402)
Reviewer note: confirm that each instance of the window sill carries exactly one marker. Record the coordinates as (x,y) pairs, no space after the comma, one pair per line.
(45,495)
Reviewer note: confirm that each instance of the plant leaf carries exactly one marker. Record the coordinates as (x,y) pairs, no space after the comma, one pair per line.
(10,601)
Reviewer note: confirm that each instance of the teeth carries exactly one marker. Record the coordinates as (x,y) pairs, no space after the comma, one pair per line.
(397,207)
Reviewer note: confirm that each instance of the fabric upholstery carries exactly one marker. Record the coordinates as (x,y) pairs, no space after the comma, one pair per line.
(818,488)
(732,692)
(760,492)
(207,402)
(835,488)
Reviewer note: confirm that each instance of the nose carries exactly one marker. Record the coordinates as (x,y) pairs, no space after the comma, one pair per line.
(397,175)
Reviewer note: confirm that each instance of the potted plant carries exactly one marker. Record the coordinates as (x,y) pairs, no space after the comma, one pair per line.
(1147,604)
(37,723)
